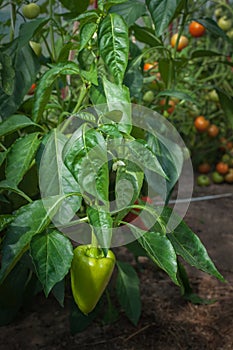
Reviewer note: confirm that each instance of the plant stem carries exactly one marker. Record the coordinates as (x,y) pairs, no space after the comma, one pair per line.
(13,19)
(51,31)
(82,95)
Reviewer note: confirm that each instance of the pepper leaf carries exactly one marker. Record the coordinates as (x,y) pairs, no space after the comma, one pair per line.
(118,98)
(45,86)
(20,157)
(52,254)
(130,10)
(114,45)
(128,292)
(86,158)
(56,179)
(159,249)
(15,122)
(29,220)
(162,12)
(189,246)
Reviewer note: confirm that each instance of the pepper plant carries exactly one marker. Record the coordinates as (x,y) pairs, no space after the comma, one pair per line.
(70,148)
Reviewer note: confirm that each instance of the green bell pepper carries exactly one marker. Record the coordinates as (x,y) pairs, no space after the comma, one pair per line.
(90,274)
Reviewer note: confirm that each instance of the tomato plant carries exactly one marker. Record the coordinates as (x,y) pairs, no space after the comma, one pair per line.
(71,150)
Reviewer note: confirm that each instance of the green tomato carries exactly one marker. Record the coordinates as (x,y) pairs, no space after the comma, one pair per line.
(217,178)
(203,180)
(148,96)
(36,47)
(31,10)
(224,23)
(90,274)
(230,34)
(218,12)
(213,96)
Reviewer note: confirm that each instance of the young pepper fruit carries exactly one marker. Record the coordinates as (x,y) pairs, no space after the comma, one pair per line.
(90,274)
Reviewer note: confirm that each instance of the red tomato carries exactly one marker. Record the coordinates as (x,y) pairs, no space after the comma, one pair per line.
(201,123)
(204,168)
(222,168)
(213,130)
(196,29)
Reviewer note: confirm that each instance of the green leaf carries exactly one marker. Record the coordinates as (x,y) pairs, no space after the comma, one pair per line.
(101,222)
(56,179)
(227,105)
(143,156)
(26,67)
(7,74)
(88,117)
(189,246)
(146,35)
(86,33)
(91,75)
(114,45)
(20,157)
(118,98)
(8,185)
(129,180)
(130,10)
(97,94)
(162,12)
(86,158)
(205,53)
(186,289)
(128,291)
(29,220)
(59,291)
(52,254)
(45,86)
(159,249)
(5,220)
(75,6)
(15,122)
(28,29)
(134,78)
(170,157)
(3,157)
(178,94)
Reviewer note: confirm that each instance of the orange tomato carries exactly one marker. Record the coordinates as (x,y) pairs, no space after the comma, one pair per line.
(171,105)
(213,130)
(201,123)
(147,66)
(204,168)
(196,29)
(222,168)
(183,41)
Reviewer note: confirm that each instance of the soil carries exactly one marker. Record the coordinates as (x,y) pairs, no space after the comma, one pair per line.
(168,322)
